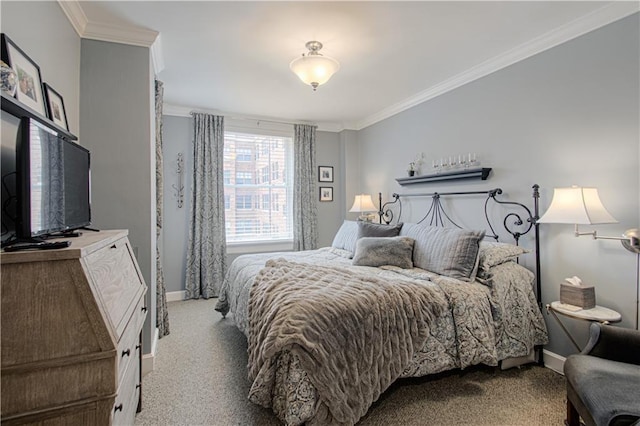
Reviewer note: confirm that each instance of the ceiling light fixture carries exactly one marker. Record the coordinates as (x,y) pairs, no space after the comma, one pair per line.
(314,68)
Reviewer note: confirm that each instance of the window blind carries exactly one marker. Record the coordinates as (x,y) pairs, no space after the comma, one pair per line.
(258,187)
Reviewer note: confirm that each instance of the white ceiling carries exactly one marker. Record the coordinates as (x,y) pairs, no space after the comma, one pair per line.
(233,57)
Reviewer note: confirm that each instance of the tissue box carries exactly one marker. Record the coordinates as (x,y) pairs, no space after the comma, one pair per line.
(582,295)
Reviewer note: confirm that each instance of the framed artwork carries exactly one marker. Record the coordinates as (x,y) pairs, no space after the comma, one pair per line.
(29,92)
(325,174)
(326,193)
(55,107)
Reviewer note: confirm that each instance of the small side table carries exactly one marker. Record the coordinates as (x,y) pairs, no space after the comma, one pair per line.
(598,314)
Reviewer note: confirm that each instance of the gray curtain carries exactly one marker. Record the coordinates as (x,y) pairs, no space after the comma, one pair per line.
(305,215)
(207,250)
(162,316)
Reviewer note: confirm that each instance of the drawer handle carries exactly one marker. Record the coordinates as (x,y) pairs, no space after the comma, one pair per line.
(138,347)
(144,309)
(113,246)
(117,408)
(138,386)
(126,353)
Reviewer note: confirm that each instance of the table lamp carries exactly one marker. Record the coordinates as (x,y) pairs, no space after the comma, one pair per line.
(363,204)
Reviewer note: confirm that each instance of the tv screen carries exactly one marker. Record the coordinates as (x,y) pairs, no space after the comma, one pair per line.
(53,182)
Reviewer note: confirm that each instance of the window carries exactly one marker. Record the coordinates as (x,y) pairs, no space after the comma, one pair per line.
(227,201)
(243,154)
(244,227)
(243,202)
(263,193)
(244,178)
(266,201)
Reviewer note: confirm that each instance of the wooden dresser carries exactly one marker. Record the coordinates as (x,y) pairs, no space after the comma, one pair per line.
(71,333)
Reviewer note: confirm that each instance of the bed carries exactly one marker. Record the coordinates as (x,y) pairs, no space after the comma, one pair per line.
(329,330)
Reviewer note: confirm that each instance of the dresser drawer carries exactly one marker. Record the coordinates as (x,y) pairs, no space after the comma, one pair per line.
(129,345)
(117,282)
(124,409)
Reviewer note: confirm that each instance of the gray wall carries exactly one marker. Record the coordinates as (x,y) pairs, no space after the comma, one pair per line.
(569,115)
(330,213)
(42,30)
(117,100)
(178,137)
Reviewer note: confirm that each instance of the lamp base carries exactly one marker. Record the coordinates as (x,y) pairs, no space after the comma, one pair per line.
(367,217)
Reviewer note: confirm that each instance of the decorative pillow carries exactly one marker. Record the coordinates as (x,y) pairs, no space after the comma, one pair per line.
(379,251)
(493,253)
(346,236)
(368,229)
(446,251)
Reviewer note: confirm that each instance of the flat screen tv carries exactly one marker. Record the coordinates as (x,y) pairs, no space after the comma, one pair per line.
(53,182)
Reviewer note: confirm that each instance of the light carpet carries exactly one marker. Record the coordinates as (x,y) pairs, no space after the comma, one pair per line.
(200,378)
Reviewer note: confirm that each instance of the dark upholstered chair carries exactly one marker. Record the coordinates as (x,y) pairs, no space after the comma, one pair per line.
(603,381)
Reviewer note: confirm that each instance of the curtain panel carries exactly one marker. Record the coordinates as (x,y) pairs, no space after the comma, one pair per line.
(162,316)
(207,251)
(305,214)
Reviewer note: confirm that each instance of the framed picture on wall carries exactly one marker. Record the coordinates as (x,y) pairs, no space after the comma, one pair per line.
(325,174)
(29,91)
(55,107)
(326,193)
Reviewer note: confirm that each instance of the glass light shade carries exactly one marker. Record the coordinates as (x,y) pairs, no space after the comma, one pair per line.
(576,205)
(363,203)
(314,69)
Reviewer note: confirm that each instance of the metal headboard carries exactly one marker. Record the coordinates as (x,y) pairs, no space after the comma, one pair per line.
(436,216)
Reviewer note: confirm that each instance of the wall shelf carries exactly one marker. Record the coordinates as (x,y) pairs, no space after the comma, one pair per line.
(477,173)
(15,108)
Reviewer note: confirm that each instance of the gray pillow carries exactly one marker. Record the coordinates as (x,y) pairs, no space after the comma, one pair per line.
(446,251)
(346,236)
(379,251)
(368,229)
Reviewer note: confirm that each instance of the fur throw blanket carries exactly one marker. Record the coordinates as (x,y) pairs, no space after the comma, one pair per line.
(353,333)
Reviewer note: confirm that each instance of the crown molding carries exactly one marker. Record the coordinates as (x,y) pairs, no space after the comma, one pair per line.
(75,15)
(590,22)
(183,111)
(176,110)
(156,55)
(113,33)
(119,34)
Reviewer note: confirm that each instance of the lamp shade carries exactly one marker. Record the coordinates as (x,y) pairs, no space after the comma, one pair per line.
(577,205)
(314,68)
(363,203)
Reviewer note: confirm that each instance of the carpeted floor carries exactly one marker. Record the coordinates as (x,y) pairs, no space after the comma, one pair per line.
(200,379)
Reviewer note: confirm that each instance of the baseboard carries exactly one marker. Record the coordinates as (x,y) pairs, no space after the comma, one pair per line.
(553,361)
(175,296)
(149,360)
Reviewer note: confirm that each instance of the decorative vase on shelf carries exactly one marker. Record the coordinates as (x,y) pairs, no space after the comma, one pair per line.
(411,172)
(8,80)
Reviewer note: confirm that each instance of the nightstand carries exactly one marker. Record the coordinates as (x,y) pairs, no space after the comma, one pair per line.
(598,314)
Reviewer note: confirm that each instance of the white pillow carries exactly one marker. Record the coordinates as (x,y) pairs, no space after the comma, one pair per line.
(346,236)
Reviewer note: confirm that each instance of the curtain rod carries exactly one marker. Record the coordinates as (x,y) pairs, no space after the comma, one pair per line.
(236,117)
